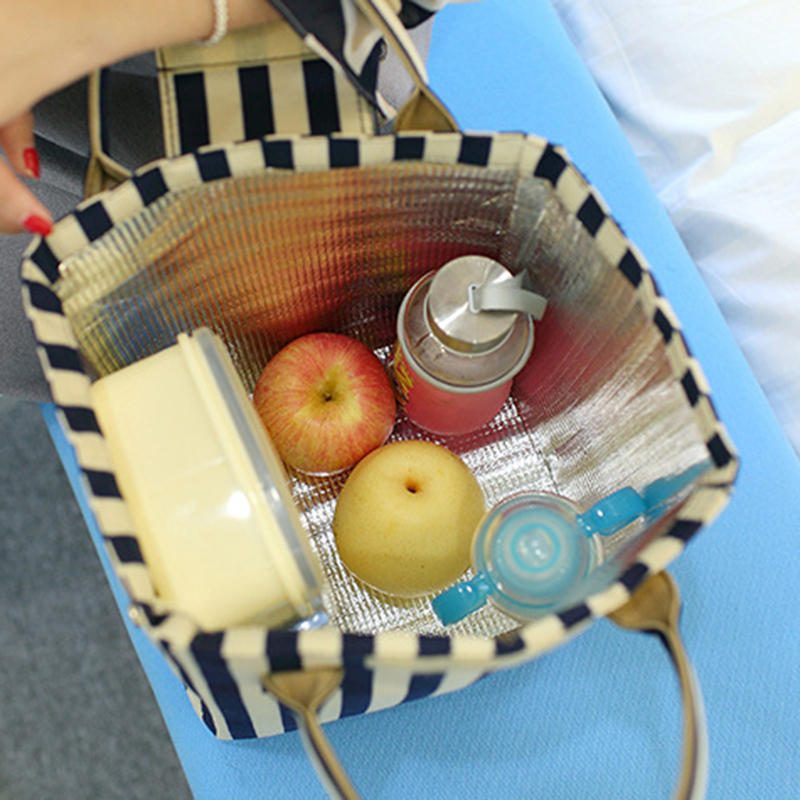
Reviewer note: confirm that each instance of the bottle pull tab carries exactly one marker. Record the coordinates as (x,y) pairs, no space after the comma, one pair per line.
(506,296)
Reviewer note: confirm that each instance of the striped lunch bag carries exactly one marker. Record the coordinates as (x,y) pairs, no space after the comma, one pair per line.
(293,199)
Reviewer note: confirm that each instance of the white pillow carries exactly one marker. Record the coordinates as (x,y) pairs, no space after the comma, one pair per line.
(708,94)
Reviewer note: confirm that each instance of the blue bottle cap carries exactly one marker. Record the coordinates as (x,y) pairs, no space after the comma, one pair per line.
(533,553)
(529,554)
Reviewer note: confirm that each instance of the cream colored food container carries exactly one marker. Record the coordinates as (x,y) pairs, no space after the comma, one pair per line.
(206,489)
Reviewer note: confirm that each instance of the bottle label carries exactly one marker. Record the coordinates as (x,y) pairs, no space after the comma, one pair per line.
(403,377)
(438,410)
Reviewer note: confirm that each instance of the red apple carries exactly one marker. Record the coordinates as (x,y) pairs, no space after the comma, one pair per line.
(326,402)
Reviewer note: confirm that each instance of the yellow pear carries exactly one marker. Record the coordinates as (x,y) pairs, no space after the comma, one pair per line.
(405,518)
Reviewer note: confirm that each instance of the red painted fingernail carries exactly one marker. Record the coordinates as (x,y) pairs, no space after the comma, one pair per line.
(31,159)
(36,224)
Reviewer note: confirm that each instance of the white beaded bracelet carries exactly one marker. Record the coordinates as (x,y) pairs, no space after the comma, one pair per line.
(220,22)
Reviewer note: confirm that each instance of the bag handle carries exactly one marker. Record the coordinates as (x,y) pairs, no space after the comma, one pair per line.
(102,172)
(423,110)
(653,608)
(304,693)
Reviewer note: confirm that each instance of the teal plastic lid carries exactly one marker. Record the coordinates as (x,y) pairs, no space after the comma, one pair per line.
(533,552)
(529,553)
(537,556)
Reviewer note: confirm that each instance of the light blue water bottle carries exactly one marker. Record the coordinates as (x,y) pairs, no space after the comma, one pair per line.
(533,550)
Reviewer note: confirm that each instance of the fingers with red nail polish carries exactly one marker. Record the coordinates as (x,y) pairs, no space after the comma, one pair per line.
(30,157)
(36,224)
(19,208)
(16,139)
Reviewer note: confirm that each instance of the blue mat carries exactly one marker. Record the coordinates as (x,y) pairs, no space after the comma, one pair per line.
(599,718)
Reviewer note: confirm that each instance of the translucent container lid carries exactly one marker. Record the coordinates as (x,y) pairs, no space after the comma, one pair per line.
(257,461)
(533,552)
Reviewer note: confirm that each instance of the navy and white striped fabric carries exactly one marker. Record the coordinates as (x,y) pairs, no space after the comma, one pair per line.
(317,73)
(339,32)
(255,82)
(222,671)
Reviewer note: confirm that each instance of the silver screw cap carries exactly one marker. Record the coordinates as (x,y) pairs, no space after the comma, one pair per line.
(451,314)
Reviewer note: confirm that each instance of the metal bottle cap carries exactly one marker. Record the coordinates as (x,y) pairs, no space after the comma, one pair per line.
(450,313)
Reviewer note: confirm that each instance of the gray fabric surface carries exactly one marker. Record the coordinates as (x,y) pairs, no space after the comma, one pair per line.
(78,720)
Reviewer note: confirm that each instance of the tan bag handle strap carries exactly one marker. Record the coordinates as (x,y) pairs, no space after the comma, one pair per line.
(304,693)
(653,609)
(102,171)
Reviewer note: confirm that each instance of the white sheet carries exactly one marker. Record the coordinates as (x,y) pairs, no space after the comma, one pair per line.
(708,93)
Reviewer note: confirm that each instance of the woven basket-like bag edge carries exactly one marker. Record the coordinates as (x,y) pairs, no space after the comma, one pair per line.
(57,350)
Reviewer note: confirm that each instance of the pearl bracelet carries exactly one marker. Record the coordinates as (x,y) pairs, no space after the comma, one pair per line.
(220,22)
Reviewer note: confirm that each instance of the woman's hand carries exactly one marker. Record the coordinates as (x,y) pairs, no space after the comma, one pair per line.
(47,44)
